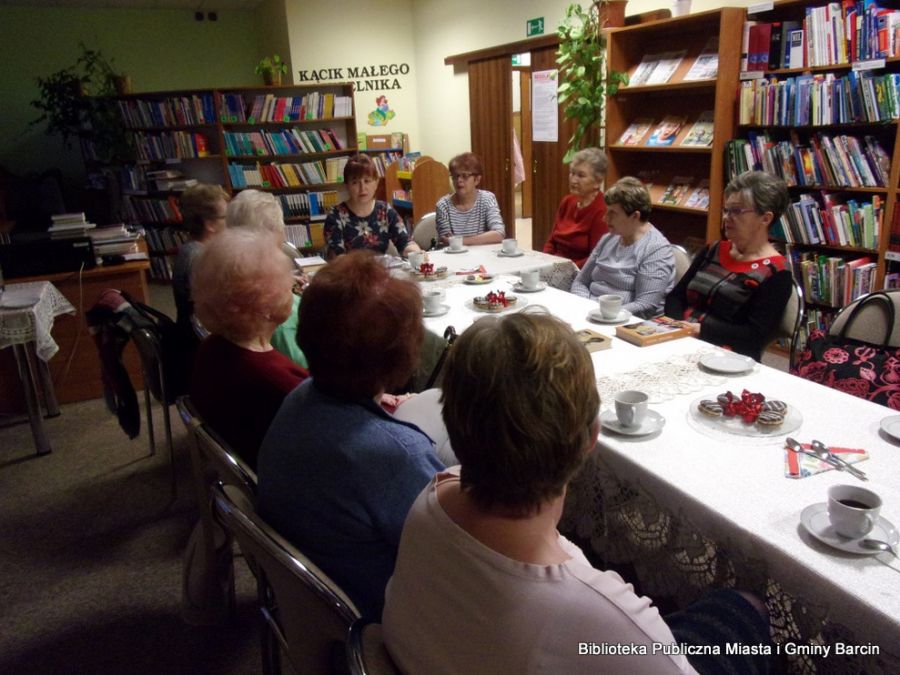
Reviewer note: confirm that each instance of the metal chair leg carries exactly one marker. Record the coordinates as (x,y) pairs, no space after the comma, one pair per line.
(149,417)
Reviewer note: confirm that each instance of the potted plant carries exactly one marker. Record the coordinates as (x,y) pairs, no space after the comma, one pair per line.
(585,82)
(76,102)
(271,68)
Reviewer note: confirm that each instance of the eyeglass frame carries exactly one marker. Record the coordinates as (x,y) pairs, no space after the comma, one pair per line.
(734,212)
(465,175)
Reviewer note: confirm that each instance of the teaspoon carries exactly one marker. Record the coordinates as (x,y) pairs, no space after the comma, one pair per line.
(823,453)
(876,545)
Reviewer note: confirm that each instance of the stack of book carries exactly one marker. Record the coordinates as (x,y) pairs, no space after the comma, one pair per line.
(114,240)
(69,225)
(838,223)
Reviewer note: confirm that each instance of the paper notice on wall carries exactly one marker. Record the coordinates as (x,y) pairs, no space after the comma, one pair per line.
(544,107)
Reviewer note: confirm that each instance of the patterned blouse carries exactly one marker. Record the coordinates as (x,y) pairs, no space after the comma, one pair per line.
(344,230)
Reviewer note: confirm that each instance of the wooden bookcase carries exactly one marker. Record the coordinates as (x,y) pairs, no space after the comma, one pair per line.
(678,97)
(220,136)
(807,139)
(427,182)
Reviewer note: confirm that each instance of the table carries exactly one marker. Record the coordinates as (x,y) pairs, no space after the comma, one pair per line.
(27,312)
(488,256)
(692,510)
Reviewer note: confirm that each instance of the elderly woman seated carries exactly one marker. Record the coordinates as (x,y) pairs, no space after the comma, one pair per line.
(484,583)
(469,212)
(337,473)
(633,260)
(735,291)
(242,291)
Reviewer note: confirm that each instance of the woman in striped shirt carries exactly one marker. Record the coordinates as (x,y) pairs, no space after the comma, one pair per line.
(469,212)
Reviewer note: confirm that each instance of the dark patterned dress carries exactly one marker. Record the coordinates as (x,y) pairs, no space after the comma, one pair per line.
(345,231)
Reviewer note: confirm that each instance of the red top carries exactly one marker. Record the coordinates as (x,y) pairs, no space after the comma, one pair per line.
(577,231)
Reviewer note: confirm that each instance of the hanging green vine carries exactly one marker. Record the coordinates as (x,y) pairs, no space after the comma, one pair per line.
(585,83)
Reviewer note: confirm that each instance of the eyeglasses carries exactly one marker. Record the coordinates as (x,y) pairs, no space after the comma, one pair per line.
(464,175)
(735,211)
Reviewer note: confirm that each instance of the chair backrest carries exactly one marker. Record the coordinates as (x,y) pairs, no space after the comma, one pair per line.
(366,653)
(425,231)
(219,462)
(309,614)
(871,323)
(682,261)
(792,321)
(149,348)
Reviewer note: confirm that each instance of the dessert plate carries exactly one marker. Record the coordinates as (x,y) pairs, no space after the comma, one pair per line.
(595,316)
(735,425)
(520,302)
(815,519)
(504,254)
(891,426)
(727,362)
(652,423)
(438,312)
(477,280)
(519,287)
(458,250)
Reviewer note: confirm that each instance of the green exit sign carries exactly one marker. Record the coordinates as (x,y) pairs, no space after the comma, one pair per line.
(534,27)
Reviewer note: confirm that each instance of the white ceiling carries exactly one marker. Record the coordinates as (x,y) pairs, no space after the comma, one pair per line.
(210,5)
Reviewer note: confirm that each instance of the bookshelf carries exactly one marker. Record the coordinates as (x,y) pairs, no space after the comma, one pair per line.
(292,141)
(423,184)
(678,47)
(818,105)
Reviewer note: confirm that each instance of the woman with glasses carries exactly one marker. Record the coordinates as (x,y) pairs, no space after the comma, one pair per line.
(469,211)
(735,291)
(581,217)
(363,222)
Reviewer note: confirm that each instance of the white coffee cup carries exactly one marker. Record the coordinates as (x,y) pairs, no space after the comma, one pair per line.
(456,242)
(415,259)
(432,300)
(631,407)
(610,306)
(531,279)
(681,7)
(853,510)
(510,246)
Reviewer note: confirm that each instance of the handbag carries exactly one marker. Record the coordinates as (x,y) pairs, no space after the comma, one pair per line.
(863,369)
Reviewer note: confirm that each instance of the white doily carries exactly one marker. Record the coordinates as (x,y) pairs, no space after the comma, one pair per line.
(27,314)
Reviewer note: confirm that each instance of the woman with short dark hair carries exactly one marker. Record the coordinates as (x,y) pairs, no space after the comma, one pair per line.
(337,473)
(363,222)
(469,212)
(735,291)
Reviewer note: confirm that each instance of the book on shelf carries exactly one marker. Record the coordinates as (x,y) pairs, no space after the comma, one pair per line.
(644,69)
(706,65)
(653,331)
(667,130)
(677,190)
(701,133)
(649,177)
(636,131)
(666,67)
(699,197)
(68,218)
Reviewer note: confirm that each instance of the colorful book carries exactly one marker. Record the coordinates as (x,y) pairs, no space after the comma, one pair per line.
(701,133)
(666,132)
(677,190)
(644,69)
(699,198)
(636,131)
(653,331)
(706,66)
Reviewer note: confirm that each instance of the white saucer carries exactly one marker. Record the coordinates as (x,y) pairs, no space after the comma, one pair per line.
(652,423)
(521,288)
(727,362)
(891,426)
(595,316)
(476,282)
(504,254)
(443,310)
(460,250)
(815,520)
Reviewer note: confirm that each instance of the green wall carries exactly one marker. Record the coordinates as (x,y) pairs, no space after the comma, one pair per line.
(160,49)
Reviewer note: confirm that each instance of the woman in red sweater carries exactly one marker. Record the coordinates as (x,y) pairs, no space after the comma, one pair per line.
(581,218)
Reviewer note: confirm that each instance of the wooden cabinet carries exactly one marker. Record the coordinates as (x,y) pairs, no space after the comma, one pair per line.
(679,97)
(422,187)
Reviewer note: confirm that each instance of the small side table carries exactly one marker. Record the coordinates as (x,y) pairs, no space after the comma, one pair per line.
(27,312)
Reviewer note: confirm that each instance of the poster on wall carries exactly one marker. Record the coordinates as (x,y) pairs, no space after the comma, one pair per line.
(544,107)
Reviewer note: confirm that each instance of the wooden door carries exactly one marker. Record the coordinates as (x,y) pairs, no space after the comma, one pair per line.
(490,114)
(550,176)
(525,89)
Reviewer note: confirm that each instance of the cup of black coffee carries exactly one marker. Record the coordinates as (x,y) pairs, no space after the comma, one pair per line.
(853,510)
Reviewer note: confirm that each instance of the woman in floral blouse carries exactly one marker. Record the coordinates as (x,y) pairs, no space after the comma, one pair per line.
(363,221)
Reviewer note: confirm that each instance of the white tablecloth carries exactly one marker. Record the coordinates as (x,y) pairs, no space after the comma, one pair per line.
(27,312)
(489,256)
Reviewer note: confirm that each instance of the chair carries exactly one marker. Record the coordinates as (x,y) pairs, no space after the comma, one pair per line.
(366,653)
(149,348)
(872,323)
(306,611)
(560,275)
(682,261)
(425,231)
(792,321)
